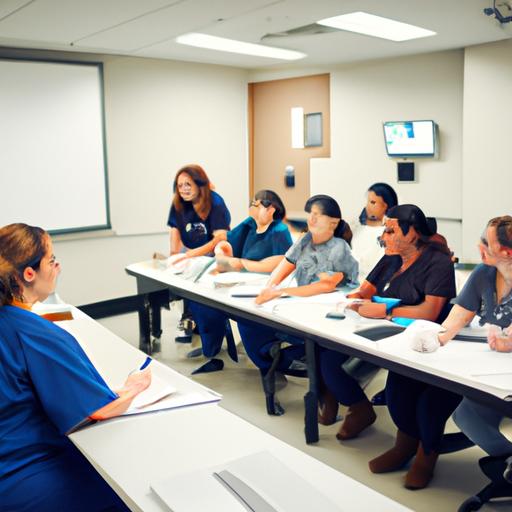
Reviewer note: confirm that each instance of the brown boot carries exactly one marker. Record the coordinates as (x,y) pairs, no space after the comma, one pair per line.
(404,449)
(328,411)
(422,470)
(358,417)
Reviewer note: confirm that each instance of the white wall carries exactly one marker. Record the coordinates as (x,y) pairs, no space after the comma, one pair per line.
(487,129)
(160,115)
(363,96)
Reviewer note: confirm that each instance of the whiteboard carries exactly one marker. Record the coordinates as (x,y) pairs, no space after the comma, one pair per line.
(53,170)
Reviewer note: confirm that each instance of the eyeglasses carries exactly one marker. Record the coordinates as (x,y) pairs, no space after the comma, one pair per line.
(264,202)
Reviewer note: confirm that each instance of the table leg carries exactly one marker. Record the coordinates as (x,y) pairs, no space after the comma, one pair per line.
(311,397)
(145,325)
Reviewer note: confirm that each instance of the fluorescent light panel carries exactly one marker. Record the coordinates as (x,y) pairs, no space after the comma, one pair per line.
(376,26)
(231,45)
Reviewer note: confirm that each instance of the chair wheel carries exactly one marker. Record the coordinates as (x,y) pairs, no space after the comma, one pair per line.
(473,503)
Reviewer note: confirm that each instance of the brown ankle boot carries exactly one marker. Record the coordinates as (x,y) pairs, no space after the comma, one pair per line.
(358,417)
(404,449)
(422,470)
(328,410)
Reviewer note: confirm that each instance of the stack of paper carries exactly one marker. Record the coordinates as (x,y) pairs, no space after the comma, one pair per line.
(258,482)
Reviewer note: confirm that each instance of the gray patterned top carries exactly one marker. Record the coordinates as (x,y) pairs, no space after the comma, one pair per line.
(311,259)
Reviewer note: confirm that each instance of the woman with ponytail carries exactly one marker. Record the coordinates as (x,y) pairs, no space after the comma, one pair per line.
(321,261)
(417,271)
(48,386)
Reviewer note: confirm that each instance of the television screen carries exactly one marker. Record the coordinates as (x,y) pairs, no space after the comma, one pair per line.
(410,138)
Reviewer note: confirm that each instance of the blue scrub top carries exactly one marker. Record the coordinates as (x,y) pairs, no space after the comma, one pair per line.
(47,386)
(195,231)
(246,243)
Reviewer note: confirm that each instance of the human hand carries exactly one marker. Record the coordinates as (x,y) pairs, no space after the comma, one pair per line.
(500,340)
(267,294)
(137,381)
(356,304)
(223,248)
(227,264)
(372,310)
(424,335)
(178,260)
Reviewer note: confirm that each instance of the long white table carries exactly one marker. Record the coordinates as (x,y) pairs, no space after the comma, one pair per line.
(467,368)
(132,452)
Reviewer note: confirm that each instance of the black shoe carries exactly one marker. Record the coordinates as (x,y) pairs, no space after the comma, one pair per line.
(197,352)
(379,398)
(213,365)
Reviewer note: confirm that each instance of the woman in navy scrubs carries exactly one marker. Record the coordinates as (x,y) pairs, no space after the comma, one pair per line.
(48,386)
(257,244)
(198,220)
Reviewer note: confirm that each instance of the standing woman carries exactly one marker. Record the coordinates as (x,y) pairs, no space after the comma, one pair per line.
(48,386)
(198,220)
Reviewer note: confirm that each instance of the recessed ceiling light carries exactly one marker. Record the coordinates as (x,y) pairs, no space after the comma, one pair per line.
(376,26)
(231,45)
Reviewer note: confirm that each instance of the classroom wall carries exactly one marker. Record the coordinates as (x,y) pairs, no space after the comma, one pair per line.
(159,116)
(363,96)
(487,130)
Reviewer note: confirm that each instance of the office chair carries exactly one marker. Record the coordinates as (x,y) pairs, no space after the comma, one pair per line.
(268,378)
(494,468)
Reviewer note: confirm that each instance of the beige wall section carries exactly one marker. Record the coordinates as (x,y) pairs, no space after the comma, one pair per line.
(487,130)
(160,115)
(365,95)
(272,103)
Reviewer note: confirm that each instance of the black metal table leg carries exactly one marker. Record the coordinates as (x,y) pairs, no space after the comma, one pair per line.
(311,397)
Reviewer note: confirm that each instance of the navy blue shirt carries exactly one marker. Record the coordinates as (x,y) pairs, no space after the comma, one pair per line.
(47,386)
(195,231)
(479,295)
(431,274)
(246,243)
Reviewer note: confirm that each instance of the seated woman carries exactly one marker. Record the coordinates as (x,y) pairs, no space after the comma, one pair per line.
(366,248)
(488,294)
(321,260)
(256,245)
(198,219)
(48,386)
(416,271)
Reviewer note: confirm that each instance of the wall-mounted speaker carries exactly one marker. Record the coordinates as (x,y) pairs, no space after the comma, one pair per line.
(406,172)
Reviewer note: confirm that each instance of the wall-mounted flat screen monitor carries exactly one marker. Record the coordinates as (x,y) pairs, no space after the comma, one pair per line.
(410,138)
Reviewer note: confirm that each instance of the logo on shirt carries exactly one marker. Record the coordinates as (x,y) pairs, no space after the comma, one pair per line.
(197,227)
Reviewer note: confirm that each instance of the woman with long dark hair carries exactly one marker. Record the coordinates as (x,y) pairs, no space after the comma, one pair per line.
(321,260)
(257,244)
(414,270)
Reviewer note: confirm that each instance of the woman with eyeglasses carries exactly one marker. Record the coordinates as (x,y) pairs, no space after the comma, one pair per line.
(321,261)
(419,273)
(48,386)
(256,245)
(198,220)
(488,294)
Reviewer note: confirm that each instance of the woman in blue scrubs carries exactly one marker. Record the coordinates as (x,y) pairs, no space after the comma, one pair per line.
(48,386)
(198,219)
(257,244)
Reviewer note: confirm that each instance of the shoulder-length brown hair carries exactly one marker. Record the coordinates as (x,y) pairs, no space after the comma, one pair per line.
(204,199)
(21,246)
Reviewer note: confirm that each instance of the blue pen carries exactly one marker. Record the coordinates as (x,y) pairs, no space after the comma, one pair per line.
(145,364)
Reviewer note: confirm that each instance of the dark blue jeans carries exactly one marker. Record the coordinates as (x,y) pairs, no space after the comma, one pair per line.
(258,339)
(345,388)
(419,409)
